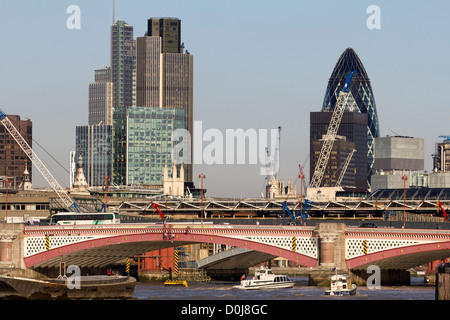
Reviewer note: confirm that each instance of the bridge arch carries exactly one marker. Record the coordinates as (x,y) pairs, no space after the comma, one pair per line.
(402,257)
(98,252)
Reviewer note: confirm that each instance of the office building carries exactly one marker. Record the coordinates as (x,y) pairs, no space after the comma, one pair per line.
(352,134)
(361,99)
(13,161)
(396,157)
(342,149)
(144,135)
(164,74)
(123,64)
(169,30)
(101,98)
(94,145)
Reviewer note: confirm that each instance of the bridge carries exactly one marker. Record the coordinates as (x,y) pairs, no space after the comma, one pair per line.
(271,208)
(324,245)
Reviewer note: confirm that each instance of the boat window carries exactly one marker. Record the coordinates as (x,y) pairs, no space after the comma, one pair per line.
(269,272)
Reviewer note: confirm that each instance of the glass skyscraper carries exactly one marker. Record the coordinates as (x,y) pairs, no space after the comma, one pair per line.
(361,97)
(164,74)
(123,64)
(94,144)
(144,136)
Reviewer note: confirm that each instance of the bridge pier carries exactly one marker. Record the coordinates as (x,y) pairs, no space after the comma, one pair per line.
(331,245)
(11,250)
(331,252)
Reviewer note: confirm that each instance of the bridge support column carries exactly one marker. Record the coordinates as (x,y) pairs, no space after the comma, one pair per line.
(6,245)
(331,245)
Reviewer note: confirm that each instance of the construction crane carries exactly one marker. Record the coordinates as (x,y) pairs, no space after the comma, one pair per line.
(67,201)
(344,167)
(329,138)
(274,160)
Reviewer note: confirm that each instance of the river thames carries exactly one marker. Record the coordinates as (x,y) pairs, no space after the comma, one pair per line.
(226,291)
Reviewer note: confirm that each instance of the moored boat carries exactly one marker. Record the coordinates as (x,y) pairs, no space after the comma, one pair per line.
(86,287)
(265,279)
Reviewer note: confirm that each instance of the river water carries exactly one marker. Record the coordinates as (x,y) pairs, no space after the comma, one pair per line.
(301,291)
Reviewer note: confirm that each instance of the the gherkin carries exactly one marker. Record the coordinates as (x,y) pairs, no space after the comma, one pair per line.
(361,99)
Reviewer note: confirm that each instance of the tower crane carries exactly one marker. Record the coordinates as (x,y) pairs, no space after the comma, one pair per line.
(274,161)
(329,138)
(344,167)
(67,201)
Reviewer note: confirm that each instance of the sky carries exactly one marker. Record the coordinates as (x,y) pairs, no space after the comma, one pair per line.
(258,64)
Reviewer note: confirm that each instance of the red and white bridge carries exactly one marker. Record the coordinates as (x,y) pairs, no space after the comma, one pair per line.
(326,244)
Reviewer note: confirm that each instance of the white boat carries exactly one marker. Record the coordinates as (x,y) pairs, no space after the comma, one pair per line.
(341,286)
(265,279)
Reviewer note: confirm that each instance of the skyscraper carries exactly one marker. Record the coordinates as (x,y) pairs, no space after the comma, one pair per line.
(94,144)
(164,75)
(148,143)
(353,128)
(169,29)
(123,64)
(101,98)
(94,141)
(361,99)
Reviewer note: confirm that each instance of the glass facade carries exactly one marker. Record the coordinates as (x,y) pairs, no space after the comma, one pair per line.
(94,143)
(361,97)
(164,73)
(143,145)
(123,64)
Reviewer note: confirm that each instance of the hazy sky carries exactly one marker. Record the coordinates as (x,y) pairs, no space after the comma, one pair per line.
(257,65)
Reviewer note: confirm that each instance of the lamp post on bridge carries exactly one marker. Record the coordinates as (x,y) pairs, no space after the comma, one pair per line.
(106,193)
(201,176)
(404,178)
(6,181)
(301,176)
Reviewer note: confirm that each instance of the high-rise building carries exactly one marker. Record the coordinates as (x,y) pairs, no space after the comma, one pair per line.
(145,134)
(395,157)
(361,100)
(169,30)
(101,98)
(13,161)
(353,128)
(94,145)
(123,64)
(164,77)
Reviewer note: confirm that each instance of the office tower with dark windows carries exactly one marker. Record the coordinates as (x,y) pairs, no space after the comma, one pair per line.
(164,85)
(361,101)
(352,134)
(169,30)
(123,64)
(13,160)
